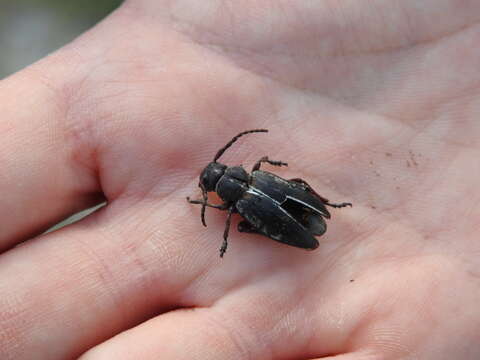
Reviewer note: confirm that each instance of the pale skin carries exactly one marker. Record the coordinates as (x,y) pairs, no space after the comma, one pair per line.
(375,103)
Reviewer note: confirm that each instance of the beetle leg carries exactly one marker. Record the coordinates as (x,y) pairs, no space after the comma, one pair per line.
(201,202)
(338,205)
(265,159)
(325,200)
(223,248)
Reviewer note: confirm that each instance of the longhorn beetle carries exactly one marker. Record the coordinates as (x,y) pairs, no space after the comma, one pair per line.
(288,211)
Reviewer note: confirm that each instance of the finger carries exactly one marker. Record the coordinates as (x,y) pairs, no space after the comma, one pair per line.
(201,333)
(186,334)
(89,281)
(47,169)
(245,329)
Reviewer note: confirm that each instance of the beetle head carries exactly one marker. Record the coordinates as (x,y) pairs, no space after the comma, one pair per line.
(208,181)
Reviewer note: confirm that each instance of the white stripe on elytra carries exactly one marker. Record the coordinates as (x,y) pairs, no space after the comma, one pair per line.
(303,203)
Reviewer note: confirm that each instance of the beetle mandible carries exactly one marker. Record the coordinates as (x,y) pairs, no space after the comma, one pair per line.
(287,211)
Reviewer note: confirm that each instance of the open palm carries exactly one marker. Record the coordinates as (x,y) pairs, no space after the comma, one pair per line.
(374,103)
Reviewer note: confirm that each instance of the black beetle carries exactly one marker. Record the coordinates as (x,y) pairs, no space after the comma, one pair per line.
(288,211)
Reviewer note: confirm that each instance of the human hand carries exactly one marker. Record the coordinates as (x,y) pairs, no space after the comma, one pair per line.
(372,103)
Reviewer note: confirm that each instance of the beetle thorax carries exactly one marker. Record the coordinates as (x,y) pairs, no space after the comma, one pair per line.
(232,184)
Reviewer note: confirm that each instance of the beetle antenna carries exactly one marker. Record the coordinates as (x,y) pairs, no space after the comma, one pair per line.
(223,149)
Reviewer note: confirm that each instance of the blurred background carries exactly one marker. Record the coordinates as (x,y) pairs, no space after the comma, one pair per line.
(31,29)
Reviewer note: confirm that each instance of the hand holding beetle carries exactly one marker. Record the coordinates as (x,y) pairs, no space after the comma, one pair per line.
(372,103)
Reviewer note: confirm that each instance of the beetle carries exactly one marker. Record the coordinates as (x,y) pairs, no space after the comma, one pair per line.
(287,211)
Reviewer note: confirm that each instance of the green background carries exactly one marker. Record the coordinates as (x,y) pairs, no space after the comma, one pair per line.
(31,29)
